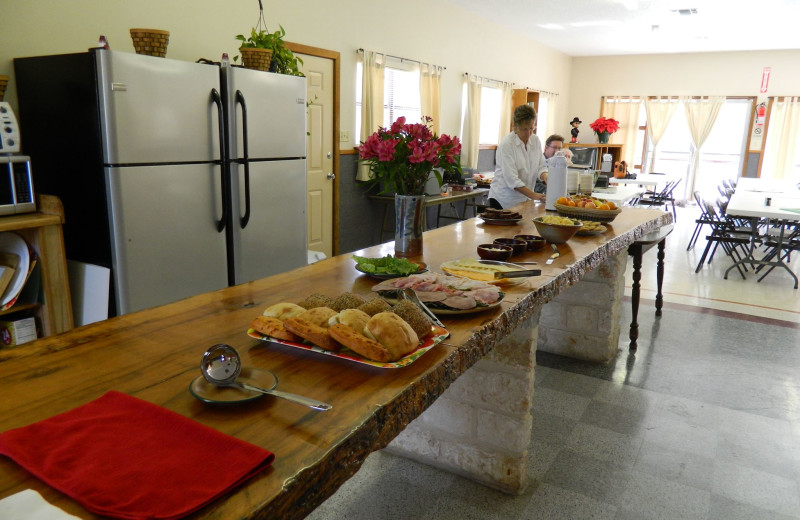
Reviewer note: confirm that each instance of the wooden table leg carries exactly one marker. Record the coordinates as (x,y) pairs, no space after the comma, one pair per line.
(635,251)
(660,277)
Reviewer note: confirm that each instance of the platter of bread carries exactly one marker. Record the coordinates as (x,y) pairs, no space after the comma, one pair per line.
(372,332)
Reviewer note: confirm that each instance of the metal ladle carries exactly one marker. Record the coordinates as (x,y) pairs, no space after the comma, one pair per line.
(221,366)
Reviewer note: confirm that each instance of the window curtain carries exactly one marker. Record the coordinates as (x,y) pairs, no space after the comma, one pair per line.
(430,93)
(373,65)
(659,112)
(783,128)
(547,104)
(624,109)
(471,125)
(506,91)
(701,113)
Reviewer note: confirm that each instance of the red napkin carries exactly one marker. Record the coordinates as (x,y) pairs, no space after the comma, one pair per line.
(122,457)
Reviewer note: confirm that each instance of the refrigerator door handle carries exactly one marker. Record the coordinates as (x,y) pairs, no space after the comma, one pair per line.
(245,159)
(217,99)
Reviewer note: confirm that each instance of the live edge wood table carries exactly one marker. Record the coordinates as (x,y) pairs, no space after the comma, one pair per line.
(155,354)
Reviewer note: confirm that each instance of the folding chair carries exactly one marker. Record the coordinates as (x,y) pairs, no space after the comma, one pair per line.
(664,197)
(725,234)
(700,221)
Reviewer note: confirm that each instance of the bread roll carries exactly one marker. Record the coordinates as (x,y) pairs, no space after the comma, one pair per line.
(359,343)
(318,316)
(273,327)
(353,318)
(284,311)
(391,331)
(314,333)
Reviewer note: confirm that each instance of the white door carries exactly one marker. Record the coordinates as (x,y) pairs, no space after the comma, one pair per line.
(319,152)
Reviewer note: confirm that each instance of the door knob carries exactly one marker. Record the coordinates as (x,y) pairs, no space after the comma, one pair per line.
(330,155)
(331,176)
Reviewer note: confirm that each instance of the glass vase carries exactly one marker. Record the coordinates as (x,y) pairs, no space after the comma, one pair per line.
(409,222)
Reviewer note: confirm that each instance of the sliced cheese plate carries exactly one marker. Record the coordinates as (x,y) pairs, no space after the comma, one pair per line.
(483,270)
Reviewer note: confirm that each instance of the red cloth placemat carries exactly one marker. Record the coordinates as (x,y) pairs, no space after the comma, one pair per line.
(122,457)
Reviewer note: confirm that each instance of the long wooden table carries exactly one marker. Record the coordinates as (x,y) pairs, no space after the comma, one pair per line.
(155,354)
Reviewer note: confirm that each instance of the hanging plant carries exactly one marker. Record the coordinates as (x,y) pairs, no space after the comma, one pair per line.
(282,60)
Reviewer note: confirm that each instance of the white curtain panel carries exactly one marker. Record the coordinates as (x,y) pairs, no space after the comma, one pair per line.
(471,127)
(551,101)
(624,109)
(701,113)
(780,149)
(506,91)
(371,102)
(659,112)
(430,93)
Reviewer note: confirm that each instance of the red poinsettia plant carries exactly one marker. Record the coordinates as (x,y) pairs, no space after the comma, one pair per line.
(605,125)
(402,157)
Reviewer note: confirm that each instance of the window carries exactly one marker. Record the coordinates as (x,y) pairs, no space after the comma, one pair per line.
(491,99)
(400,93)
(721,156)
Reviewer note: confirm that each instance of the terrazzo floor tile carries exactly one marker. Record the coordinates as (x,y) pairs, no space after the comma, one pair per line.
(655,498)
(757,488)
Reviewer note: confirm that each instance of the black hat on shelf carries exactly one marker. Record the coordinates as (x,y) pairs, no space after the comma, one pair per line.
(575,120)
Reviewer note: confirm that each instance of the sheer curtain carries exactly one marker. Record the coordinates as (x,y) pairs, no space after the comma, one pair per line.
(782,138)
(430,93)
(624,109)
(471,125)
(506,91)
(371,101)
(547,124)
(659,111)
(701,113)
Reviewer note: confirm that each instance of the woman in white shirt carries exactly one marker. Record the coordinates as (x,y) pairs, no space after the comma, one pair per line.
(520,163)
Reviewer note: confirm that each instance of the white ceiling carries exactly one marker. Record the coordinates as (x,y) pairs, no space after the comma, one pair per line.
(611,27)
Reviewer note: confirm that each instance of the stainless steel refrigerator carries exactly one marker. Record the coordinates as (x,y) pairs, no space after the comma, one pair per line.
(160,180)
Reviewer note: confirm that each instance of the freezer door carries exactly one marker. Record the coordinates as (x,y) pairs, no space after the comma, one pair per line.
(166,244)
(275,107)
(274,238)
(157,110)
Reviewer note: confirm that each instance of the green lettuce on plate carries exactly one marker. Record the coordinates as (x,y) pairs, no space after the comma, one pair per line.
(386,265)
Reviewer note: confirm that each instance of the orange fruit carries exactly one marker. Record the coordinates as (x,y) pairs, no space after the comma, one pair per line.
(611,205)
(603,206)
(571,203)
(561,200)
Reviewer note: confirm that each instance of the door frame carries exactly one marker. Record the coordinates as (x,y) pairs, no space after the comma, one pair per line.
(336,57)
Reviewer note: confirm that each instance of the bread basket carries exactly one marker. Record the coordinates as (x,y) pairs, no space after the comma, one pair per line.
(598,215)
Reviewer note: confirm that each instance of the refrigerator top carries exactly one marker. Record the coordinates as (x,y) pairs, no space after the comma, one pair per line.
(274,109)
(157,110)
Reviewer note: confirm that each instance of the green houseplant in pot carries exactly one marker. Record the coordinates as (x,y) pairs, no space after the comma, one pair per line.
(264,50)
(401,159)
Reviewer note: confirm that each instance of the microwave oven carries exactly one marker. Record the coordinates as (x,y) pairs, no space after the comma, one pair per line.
(16,185)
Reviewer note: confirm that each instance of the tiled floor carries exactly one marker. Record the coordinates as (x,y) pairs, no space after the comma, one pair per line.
(703,422)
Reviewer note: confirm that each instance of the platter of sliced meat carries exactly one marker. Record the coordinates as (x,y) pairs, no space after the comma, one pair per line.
(443,294)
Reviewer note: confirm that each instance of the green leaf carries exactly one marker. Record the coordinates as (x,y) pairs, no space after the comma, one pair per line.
(386,265)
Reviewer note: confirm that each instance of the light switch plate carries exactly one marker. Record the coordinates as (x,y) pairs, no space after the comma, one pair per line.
(344,136)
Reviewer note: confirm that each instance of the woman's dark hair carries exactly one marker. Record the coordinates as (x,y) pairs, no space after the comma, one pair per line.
(524,113)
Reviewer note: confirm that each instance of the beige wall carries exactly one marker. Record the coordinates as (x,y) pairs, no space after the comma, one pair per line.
(725,73)
(455,39)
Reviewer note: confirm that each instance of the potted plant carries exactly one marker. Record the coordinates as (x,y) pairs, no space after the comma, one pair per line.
(264,50)
(401,159)
(604,128)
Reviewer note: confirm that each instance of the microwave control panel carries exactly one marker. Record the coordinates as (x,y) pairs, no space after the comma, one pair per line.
(9,130)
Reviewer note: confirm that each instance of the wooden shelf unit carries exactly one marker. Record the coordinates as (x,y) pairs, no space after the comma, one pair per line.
(523,96)
(614,149)
(42,231)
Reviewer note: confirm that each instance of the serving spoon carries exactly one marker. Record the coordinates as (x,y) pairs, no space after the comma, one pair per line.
(221,366)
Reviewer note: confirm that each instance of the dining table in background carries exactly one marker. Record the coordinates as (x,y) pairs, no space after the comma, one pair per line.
(646,180)
(778,202)
(484,370)
(619,195)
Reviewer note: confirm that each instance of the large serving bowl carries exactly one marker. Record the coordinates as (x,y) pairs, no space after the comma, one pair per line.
(495,252)
(556,233)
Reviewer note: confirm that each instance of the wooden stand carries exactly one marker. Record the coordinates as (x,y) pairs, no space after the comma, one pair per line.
(523,96)
(42,231)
